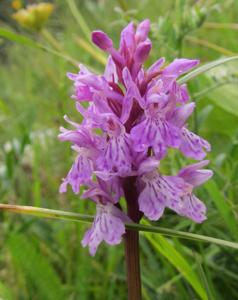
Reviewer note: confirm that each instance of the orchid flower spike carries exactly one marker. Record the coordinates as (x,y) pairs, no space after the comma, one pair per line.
(131,117)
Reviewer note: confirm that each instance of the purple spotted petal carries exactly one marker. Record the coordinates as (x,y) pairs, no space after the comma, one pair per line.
(193,145)
(159,192)
(191,207)
(107,226)
(80,173)
(117,156)
(155,133)
(151,202)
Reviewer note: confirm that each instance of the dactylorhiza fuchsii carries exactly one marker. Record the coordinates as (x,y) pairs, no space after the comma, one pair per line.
(132,117)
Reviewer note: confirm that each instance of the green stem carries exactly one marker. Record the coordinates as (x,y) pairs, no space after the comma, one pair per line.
(76,217)
(79,18)
(51,40)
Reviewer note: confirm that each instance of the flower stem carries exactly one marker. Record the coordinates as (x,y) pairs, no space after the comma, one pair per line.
(132,250)
(133,264)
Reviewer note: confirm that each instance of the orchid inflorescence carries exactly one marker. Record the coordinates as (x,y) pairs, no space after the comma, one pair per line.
(134,115)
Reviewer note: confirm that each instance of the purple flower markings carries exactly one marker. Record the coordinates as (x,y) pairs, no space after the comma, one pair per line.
(133,116)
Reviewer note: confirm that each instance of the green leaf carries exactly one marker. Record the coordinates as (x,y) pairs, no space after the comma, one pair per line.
(204,68)
(70,216)
(223,207)
(16,37)
(165,248)
(36,267)
(226,98)
(203,277)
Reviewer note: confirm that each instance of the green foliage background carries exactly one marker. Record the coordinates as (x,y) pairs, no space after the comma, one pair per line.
(42,259)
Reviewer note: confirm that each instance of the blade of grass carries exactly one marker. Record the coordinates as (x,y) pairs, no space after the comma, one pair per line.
(213,25)
(161,245)
(70,216)
(203,278)
(32,264)
(91,50)
(204,68)
(79,18)
(223,208)
(23,40)
(210,45)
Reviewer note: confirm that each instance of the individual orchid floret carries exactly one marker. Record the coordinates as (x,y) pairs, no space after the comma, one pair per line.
(158,192)
(192,145)
(131,116)
(174,192)
(117,154)
(107,226)
(109,223)
(155,131)
(190,206)
(88,148)
(80,173)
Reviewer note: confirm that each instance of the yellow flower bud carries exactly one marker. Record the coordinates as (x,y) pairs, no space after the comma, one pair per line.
(34,16)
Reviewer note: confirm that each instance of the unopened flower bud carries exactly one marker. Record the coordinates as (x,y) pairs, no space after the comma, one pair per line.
(101,39)
(142,31)
(142,52)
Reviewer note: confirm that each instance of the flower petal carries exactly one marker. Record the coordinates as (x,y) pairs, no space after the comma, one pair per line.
(80,173)
(180,66)
(193,145)
(181,114)
(191,207)
(142,31)
(193,175)
(107,226)
(117,156)
(159,192)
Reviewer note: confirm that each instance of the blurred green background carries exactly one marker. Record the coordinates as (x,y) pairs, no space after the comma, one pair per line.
(43,259)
